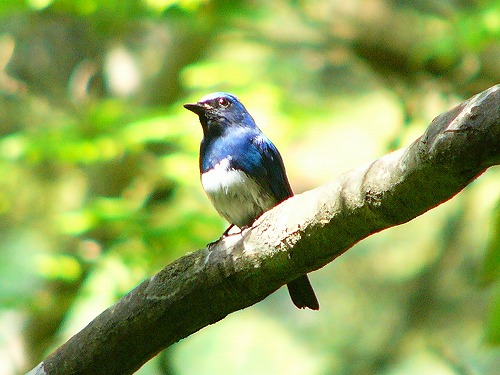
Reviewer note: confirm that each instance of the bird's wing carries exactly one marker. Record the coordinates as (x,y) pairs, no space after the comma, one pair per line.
(273,168)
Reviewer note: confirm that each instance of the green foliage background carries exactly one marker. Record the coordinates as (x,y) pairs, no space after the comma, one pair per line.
(99,182)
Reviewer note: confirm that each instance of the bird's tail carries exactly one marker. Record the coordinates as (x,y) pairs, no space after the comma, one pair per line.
(302,293)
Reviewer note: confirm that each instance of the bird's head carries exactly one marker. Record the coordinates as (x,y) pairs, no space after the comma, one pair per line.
(220,110)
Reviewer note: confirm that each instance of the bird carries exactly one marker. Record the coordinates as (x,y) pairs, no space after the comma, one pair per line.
(242,172)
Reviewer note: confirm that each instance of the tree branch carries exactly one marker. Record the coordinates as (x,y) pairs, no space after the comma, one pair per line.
(302,234)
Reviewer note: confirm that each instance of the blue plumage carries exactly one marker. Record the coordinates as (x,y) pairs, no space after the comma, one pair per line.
(242,172)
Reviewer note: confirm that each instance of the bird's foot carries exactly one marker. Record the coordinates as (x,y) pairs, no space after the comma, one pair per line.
(226,232)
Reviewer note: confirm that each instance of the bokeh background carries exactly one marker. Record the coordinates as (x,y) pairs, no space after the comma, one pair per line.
(99,184)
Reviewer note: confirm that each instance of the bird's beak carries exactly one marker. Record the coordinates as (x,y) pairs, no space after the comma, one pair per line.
(197,108)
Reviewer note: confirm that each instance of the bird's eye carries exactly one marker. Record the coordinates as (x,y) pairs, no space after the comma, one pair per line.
(224,102)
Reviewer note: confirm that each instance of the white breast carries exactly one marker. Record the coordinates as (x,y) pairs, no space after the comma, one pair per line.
(235,196)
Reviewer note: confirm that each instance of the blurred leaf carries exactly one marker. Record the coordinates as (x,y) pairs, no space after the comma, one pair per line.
(19,277)
(58,267)
(493,323)
(491,268)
